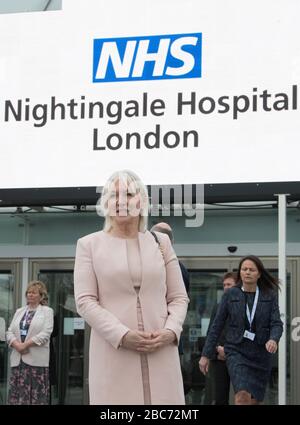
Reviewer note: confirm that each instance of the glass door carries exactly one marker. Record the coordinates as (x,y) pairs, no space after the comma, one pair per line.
(9,284)
(67,345)
(293,331)
(205,291)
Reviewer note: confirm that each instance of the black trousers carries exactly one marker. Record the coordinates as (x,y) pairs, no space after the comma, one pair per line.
(220,382)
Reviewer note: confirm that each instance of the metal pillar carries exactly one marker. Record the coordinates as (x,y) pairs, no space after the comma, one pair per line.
(282,296)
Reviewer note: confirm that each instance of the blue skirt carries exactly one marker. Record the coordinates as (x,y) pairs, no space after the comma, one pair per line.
(249,366)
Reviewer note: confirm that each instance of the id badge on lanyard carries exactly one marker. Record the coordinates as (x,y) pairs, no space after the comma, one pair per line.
(249,334)
(23,331)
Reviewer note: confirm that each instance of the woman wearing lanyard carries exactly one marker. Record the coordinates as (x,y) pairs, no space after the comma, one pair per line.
(28,335)
(254,329)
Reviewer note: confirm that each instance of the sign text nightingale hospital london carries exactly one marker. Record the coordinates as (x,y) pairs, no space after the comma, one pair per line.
(175,56)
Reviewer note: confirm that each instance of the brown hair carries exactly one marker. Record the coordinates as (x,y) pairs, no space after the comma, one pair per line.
(41,288)
(266,281)
(230,275)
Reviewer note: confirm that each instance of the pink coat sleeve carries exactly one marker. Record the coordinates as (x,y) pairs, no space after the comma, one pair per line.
(177,299)
(87,298)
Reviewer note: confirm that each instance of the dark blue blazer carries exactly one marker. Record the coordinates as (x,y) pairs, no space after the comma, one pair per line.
(185,276)
(232,310)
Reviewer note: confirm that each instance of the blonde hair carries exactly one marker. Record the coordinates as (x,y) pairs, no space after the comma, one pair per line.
(128,177)
(41,288)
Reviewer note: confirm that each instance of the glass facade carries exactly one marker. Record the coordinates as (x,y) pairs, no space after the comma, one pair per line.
(9,275)
(67,348)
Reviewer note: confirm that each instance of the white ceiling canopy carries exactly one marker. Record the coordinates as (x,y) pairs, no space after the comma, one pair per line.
(17,6)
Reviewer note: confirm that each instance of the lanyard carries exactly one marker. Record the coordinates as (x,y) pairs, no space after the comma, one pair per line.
(250,317)
(25,318)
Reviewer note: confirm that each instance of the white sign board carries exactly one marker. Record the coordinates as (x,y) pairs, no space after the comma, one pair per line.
(178,91)
(68,326)
(78,323)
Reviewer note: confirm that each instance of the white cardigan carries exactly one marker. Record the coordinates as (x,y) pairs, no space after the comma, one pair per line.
(39,331)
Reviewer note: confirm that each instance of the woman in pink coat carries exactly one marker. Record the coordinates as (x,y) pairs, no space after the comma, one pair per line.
(129,289)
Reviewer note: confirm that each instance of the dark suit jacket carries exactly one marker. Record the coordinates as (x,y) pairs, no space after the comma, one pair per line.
(233,308)
(185,276)
(52,359)
(186,280)
(221,339)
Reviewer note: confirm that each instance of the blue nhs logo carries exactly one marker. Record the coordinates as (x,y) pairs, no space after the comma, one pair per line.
(147,58)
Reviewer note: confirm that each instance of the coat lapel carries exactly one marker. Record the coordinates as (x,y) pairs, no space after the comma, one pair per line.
(261,305)
(18,321)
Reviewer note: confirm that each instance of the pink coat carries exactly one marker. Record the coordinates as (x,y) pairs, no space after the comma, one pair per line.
(106,299)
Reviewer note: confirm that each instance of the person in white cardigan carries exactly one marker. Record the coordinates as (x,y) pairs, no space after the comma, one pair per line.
(28,335)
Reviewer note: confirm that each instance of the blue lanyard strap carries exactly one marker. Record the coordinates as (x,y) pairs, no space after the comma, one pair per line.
(250,317)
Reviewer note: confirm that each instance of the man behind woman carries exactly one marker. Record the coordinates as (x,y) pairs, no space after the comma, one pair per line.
(218,381)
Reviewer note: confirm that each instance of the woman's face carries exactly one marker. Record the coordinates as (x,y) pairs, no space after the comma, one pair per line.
(249,272)
(33,296)
(124,203)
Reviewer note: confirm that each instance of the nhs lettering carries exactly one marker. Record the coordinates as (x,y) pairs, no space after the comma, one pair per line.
(147,58)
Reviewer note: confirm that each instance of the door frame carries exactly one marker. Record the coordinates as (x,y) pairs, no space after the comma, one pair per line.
(15,266)
(37,264)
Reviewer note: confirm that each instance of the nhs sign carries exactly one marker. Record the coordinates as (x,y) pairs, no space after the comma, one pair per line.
(147,58)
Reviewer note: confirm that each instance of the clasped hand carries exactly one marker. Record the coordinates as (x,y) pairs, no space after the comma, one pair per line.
(21,347)
(148,342)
